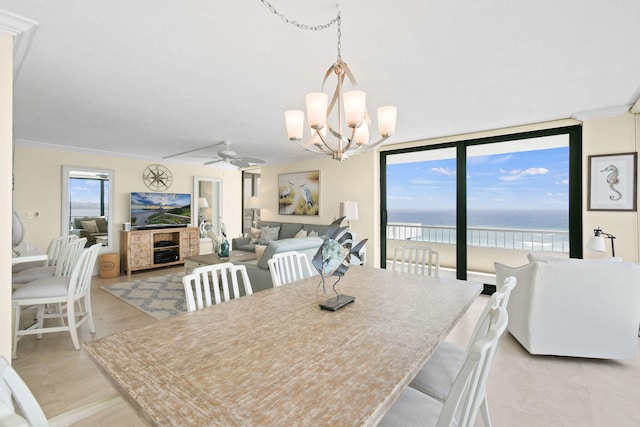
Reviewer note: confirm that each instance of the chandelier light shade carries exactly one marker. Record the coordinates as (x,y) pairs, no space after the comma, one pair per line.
(353,127)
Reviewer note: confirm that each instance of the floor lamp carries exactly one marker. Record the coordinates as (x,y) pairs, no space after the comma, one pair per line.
(253,203)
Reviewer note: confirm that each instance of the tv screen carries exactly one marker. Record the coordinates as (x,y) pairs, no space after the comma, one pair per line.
(157,210)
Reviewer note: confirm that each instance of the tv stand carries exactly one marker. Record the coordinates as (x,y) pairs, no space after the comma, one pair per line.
(146,249)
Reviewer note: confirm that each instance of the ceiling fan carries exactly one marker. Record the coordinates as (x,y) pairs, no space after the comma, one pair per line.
(230,156)
(226,155)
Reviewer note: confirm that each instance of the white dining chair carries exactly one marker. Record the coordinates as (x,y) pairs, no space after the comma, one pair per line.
(287,267)
(13,389)
(422,260)
(203,286)
(439,372)
(69,298)
(62,255)
(468,390)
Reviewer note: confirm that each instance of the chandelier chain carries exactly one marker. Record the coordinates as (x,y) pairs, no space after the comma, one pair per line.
(299,25)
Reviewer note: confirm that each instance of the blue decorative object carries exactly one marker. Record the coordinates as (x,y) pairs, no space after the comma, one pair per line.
(224,249)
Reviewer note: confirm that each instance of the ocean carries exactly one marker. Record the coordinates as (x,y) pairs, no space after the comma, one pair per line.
(554,220)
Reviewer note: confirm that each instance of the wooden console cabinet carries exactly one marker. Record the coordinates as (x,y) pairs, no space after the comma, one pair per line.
(145,249)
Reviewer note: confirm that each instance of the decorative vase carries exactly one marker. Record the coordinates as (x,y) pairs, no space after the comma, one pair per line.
(224,249)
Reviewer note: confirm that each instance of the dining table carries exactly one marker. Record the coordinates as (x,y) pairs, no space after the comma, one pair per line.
(276,358)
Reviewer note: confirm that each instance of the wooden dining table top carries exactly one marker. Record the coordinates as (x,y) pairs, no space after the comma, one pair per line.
(275,358)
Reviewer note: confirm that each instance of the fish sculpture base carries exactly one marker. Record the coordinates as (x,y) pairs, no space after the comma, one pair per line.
(337,303)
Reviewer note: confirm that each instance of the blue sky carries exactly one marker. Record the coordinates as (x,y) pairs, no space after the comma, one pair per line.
(536,179)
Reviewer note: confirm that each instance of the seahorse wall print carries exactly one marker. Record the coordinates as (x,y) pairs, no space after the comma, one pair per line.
(613,180)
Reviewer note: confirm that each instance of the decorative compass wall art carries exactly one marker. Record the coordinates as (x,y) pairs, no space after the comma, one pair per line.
(157,177)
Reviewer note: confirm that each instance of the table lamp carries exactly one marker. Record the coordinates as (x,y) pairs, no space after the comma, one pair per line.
(596,242)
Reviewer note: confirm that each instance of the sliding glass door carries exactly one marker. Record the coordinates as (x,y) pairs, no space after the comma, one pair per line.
(485,200)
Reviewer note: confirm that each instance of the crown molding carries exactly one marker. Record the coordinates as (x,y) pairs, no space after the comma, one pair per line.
(635,108)
(22,29)
(601,113)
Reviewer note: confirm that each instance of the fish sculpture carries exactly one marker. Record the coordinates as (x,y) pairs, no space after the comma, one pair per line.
(334,255)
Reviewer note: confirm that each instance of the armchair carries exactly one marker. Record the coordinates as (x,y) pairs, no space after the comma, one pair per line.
(580,308)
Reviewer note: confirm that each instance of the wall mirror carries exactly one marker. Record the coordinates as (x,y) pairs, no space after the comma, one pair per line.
(207,199)
(87,199)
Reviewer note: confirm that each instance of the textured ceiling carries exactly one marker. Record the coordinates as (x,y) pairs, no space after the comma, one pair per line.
(158,77)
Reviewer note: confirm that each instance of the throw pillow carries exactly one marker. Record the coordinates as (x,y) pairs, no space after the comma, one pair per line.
(313,233)
(260,251)
(267,234)
(90,226)
(255,235)
(301,233)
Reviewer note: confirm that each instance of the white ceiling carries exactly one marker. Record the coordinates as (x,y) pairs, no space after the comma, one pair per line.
(152,78)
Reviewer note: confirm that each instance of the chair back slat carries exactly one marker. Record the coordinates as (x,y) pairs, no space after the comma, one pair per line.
(287,267)
(14,388)
(213,284)
(69,255)
(422,260)
(469,388)
(80,281)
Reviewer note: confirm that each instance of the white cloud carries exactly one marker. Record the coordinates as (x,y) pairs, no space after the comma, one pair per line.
(444,171)
(516,174)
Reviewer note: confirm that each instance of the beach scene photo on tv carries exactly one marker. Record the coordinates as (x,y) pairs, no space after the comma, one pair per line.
(160,209)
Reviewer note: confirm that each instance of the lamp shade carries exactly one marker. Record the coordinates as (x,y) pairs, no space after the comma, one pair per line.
(317,109)
(354,107)
(596,244)
(349,210)
(202,202)
(253,202)
(295,124)
(387,120)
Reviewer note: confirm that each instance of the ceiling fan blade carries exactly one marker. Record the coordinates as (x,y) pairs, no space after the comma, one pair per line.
(213,161)
(250,160)
(240,163)
(196,149)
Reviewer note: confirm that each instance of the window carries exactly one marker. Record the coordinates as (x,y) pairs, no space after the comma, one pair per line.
(513,192)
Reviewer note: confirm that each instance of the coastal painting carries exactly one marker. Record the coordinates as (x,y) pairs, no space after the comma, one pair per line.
(299,193)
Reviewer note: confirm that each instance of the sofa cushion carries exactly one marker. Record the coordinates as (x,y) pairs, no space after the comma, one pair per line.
(285,245)
(301,233)
(289,230)
(268,234)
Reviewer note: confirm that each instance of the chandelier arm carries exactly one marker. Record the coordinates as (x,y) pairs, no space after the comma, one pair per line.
(349,74)
(372,146)
(312,148)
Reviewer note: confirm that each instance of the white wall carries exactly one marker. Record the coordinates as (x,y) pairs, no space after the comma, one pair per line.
(39,188)
(6,120)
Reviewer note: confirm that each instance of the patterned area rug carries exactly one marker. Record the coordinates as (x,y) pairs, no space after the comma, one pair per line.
(160,297)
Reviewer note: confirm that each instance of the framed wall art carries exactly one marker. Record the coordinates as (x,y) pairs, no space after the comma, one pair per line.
(612,182)
(299,193)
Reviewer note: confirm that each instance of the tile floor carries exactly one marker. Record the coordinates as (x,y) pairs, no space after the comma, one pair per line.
(523,390)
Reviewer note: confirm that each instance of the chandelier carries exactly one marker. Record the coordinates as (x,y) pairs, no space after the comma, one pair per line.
(347,110)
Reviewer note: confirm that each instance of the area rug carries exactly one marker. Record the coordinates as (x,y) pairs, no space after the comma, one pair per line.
(160,297)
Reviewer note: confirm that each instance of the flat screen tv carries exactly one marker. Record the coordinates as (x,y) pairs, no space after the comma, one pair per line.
(160,210)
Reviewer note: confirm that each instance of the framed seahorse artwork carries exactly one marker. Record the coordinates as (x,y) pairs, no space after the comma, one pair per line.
(612,182)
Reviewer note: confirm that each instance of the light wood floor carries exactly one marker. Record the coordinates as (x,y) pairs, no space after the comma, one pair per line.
(523,390)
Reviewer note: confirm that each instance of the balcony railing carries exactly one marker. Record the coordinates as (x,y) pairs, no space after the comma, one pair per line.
(518,239)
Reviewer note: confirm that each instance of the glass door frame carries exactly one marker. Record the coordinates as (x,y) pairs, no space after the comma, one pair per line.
(575,189)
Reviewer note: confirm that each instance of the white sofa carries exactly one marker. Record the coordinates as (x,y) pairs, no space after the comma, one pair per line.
(571,307)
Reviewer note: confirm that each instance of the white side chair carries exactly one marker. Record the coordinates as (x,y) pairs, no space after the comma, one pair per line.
(13,389)
(62,255)
(422,260)
(287,267)
(209,280)
(439,372)
(70,295)
(467,391)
